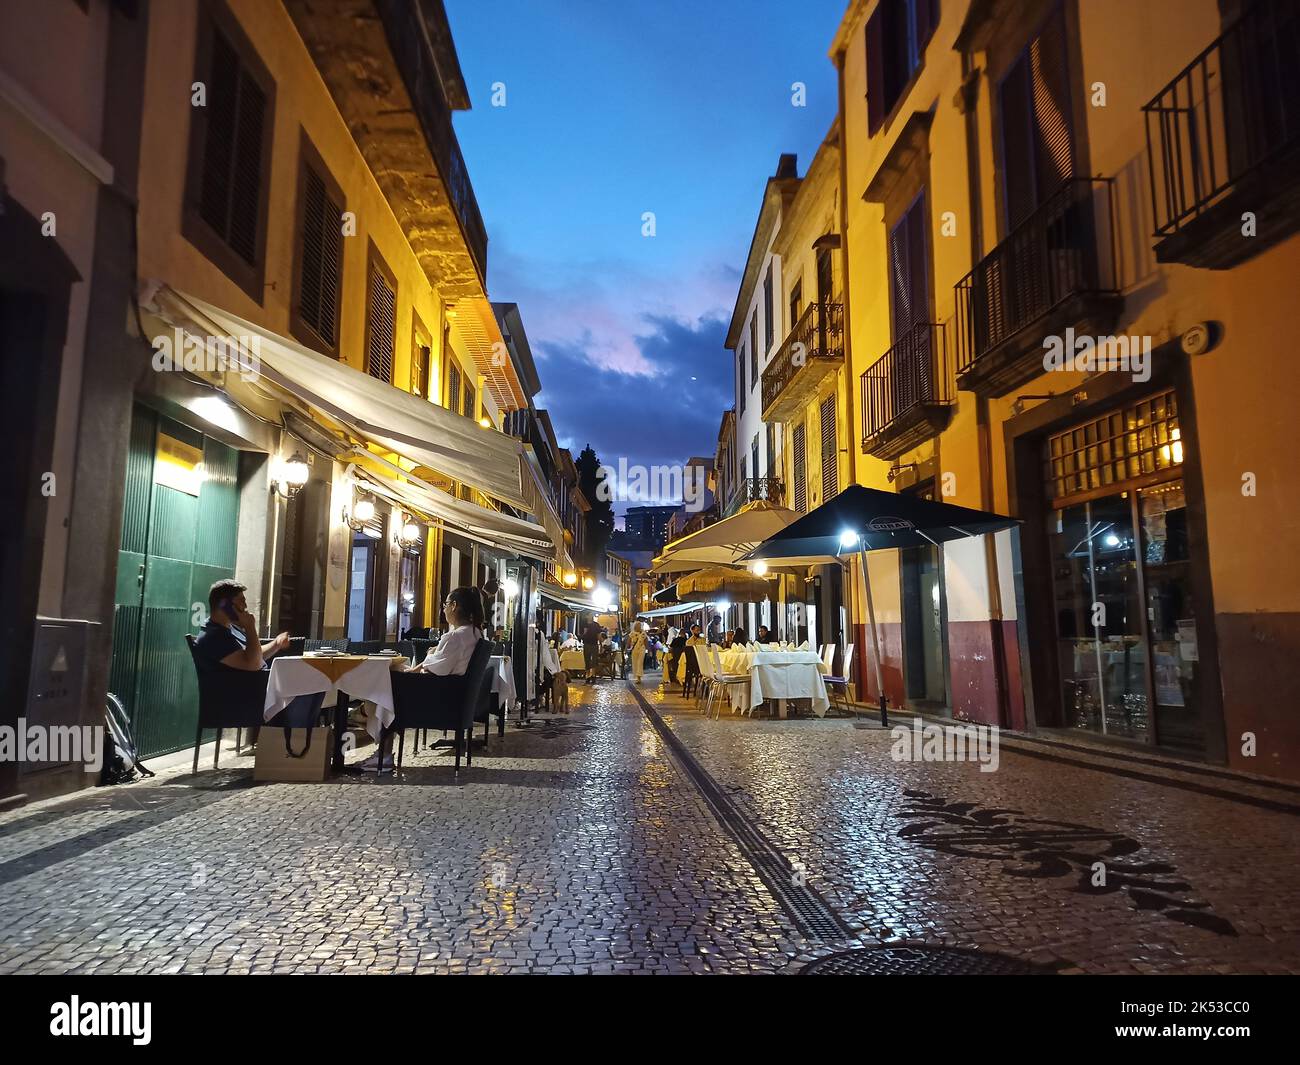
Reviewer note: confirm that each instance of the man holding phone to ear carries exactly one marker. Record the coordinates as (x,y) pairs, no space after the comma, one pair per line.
(229,640)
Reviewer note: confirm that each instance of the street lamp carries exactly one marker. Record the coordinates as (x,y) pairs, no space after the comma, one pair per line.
(363,513)
(292,475)
(410,537)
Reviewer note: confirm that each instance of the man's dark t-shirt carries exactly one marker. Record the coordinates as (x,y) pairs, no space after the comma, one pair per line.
(216,642)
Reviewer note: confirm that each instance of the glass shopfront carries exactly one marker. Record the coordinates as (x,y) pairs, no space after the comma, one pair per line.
(1125,624)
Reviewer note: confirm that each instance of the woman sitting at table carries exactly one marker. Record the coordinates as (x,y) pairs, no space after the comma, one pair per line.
(738,637)
(450,658)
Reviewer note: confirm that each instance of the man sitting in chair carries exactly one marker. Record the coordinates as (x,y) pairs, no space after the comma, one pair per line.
(224,643)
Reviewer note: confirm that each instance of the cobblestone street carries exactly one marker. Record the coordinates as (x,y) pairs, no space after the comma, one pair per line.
(592,845)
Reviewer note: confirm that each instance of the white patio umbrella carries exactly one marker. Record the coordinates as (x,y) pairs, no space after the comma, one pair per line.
(725,542)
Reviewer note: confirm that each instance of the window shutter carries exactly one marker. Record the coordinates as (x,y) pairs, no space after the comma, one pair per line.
(453,389)
(383,326)
(830,450)
(900,279)
(927,17)
(875,70)
(800,469)
(468,409)
(322,258)
(1017,138)
(230,192)
(740,391)
(1053,129)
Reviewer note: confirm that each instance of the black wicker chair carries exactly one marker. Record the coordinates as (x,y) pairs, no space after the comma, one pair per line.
(364,647)
(325,645)
(228,698)
(450,704)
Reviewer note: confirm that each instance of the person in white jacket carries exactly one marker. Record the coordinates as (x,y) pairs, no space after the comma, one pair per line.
(638,645)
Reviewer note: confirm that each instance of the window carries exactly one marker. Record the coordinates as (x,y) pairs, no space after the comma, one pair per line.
(753,347)
(908,272)
(318,259)
(800,469)
(740,387)
(796,302)
(421,357)
(772,470)
(830,450)
(381,319)
(1037,130)
(825,275)
(897,34)
(228,173)
(769,326)
(468,408)
(1139,440)
(753,458)
(453,387)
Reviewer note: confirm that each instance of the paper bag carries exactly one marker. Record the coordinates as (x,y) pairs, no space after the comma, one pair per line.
(296,755)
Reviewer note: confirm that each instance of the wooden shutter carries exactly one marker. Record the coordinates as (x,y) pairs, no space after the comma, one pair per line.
(321,259)
(381,331)
(230,189)
(740,391)
(800,469)
(875,70)
(830,450)
(468,409)
(453,388)
(1053,127)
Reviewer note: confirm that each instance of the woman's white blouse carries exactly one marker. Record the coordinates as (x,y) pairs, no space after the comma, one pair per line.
(451,657)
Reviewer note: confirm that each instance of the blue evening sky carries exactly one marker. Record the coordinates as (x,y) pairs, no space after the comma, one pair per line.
(613,109)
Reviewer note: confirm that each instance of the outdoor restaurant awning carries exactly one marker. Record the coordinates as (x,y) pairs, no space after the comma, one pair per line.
(666,611)
(556,598)
(503,531)
(424,432)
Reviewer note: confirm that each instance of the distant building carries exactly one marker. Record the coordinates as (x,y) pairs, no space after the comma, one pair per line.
(650,523)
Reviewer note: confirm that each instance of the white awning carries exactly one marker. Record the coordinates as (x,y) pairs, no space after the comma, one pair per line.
(503,531)
(424,432)
(667,611)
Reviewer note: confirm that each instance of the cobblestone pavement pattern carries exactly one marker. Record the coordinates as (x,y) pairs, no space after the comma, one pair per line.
(589,848)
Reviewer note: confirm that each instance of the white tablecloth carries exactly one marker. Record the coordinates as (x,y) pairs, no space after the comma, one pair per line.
(779,675)
(503,681)
(368,678)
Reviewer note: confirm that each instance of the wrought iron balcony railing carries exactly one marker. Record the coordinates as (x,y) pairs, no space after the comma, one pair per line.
(908,392)
(1062,254)
(768,488)
(813,347)
(1231,113)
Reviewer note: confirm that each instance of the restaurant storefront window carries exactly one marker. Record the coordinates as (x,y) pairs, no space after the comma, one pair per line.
(1117,530)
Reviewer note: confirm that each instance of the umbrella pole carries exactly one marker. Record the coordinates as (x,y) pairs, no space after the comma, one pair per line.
(875,636)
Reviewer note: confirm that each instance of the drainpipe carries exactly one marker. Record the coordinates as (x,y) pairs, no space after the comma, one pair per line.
(983,429)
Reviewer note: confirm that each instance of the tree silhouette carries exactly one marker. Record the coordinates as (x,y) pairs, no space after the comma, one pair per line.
(600,519)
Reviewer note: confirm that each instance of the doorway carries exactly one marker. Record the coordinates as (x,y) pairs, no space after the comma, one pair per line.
(923,626)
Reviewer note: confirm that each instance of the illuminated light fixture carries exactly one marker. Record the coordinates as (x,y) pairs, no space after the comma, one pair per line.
(217,411)
(411,536)
(570,579)
(588,583)
(722,606)
(511,587)
(848,538)
(451,312)
(601,598)
(1112,540)
(363,512)
(759,568)
(485,422)
(292,475)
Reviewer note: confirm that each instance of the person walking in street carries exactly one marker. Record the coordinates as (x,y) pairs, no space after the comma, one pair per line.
(638,645)
(591,649)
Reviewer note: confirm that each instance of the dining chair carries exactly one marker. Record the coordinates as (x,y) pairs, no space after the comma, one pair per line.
(723,680)
(704,681)
(828,656)
(840,685)
(449,703)
(228,698)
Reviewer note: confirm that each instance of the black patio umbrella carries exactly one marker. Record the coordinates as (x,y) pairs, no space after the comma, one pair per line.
(866,519)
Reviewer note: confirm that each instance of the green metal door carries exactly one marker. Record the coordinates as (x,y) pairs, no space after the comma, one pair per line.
(175,543)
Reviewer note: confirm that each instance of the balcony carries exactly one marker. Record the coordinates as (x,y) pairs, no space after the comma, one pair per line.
(771,489)
(1223,138)
(813,349)
(907,394)
(1056,270)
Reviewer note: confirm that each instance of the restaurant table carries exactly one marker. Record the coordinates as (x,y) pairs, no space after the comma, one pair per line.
(573,661)
(345,676)
(778,675)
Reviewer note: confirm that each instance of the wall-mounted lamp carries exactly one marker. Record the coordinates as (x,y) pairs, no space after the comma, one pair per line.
(570,579)
(588,583)
(485,422)
(411,535)
(291,476)
(363,513)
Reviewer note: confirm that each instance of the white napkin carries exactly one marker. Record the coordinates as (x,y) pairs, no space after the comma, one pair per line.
(804,646)
(751,647)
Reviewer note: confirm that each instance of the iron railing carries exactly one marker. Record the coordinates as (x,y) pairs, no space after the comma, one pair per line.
(915,371)
(768,488)
(819,334)
(1065,248)
(1231,109)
